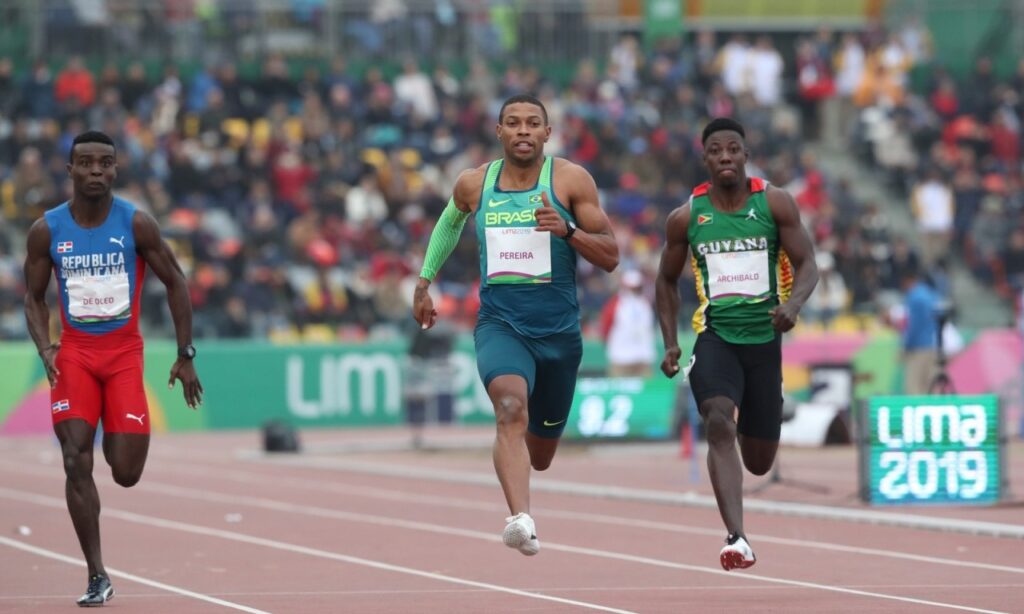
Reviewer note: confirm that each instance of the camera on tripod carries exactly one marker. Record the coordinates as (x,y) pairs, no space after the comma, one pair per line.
(941,383)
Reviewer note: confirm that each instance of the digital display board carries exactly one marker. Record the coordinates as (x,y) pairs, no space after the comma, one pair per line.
(627,408)
(931,450)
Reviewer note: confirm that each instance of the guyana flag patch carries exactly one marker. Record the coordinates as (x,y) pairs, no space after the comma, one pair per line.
(704,218)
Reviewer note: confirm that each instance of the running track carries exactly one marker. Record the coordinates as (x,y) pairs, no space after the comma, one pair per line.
(362,523)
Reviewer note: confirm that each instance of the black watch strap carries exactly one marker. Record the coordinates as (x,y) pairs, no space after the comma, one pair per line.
(187,351)
(570,229)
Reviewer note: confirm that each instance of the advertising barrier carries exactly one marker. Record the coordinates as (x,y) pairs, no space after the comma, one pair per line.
(932,450)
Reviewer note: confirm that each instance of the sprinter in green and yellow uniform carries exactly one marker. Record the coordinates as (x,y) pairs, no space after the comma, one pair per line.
(533,215)
(754,267)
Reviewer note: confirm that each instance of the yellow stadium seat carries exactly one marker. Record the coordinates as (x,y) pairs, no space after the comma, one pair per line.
(237,130)
(318,333)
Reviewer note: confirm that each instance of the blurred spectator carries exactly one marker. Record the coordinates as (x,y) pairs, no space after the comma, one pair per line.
(75,87)
(628,327)
(34,190)
(920,326)
(933,207)
(830,297)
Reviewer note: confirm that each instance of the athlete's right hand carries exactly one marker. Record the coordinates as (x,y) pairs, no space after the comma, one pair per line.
(670,364)
(49,356)
(423,306)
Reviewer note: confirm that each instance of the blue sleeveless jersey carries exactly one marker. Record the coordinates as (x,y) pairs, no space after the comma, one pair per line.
(527,278)
(99,275)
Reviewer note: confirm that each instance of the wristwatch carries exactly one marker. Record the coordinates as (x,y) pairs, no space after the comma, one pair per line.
(188,352)
(570,229)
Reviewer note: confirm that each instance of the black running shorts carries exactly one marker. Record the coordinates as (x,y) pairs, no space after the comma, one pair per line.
(749,374)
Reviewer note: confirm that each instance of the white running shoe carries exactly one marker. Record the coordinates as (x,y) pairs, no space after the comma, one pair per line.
(521,534)
(737,553)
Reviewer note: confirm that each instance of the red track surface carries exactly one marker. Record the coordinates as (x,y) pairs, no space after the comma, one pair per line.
(361,523)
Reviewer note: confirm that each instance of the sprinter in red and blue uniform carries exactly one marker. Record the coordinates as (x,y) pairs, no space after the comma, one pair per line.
(98,247)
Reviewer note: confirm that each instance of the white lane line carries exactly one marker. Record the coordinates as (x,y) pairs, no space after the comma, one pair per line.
(13,543)
(677,588)
(291,508)
(27,497)
(627,521)
(468,504)
(799,510)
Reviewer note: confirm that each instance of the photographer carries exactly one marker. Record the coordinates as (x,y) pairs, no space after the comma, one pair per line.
(923,306)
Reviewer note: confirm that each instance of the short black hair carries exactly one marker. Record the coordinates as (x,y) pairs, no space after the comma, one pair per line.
(719,124)
(90,136)
(527,98)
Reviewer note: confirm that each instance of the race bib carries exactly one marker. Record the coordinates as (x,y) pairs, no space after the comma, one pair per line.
(99,298)
(518,256)
(738,274)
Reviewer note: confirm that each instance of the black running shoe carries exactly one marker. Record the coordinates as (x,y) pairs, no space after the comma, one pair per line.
(99,592)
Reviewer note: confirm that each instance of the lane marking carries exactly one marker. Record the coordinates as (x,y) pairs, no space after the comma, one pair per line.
(27,497)
(291,508)
(691,499)
(468,504)
(115,573)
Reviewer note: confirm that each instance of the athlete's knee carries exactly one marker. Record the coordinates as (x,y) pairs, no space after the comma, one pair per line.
(127,477)
(77,463)
(510,411)
(718,421)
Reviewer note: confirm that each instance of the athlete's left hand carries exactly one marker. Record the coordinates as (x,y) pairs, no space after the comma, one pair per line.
(784,317)
(548,219)
(184,370)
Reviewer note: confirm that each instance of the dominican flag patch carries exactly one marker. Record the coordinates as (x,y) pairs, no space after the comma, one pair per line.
(704,218)
(65,246)
(61,405)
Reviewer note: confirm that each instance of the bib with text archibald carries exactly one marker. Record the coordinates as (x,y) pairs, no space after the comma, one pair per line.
(738,274)
(518,255)
(99,298)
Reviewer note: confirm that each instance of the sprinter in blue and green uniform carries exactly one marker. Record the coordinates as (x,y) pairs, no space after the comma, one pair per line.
(534,214)
(754,268)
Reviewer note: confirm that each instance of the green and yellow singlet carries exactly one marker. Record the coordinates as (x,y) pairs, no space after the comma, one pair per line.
(741,271)
(527,278)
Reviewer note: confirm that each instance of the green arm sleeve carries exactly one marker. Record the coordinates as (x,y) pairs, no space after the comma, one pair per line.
(443,239)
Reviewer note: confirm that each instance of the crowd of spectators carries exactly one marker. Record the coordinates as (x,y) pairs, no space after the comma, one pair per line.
(954,148)
(300,201)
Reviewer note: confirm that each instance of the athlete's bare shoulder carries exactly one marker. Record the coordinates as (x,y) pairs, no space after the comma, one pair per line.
(678,221)
(38,238)
(781,204)
(468,188)
(567,169)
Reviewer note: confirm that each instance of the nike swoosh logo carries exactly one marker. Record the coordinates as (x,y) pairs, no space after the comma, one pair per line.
(548,423)
(495,203)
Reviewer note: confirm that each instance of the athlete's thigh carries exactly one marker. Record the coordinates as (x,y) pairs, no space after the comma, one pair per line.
(717,370)
(500,350)
(125,409)
(558,365)
(77,393)
(761,407)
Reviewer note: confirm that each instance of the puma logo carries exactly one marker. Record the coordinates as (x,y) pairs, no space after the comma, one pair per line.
(119,242)
(136,418)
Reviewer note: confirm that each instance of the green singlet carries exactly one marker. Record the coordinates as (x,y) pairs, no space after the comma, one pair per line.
(741,271)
